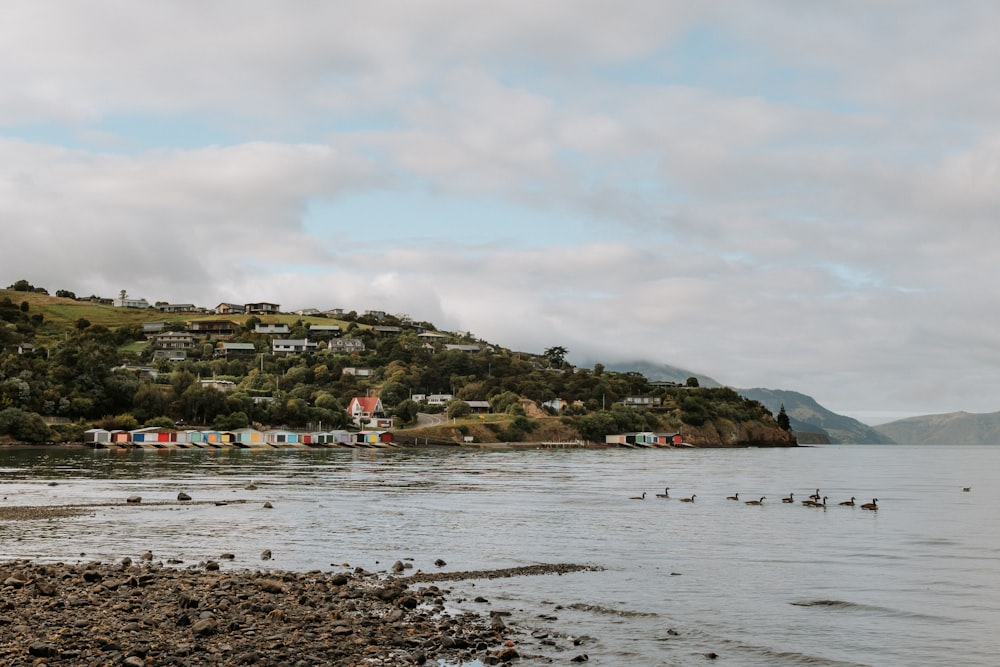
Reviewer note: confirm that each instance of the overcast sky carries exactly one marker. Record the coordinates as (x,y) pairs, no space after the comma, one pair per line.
(789,195)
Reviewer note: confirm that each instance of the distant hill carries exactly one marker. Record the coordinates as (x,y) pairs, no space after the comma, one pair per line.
(662,373)
(963,428)
(807,416)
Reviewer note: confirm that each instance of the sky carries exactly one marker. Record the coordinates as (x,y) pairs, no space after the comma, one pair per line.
(798,196)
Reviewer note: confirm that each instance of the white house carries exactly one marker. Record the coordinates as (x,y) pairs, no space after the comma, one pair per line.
(292,346)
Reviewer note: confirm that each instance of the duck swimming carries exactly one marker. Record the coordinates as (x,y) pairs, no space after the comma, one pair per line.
(789,499)
(642,497)
(735,496)
(873,505)
(689,500)
(756,502)
(848,503)
(665,494)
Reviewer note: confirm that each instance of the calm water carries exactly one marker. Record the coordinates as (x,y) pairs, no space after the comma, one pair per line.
(916,583)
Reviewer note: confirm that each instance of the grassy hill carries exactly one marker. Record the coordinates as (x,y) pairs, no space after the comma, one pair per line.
(61,315)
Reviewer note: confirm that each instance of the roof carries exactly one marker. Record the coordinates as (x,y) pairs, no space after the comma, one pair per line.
(238,346)
(368,403)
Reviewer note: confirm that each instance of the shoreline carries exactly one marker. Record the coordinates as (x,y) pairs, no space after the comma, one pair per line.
(134,614)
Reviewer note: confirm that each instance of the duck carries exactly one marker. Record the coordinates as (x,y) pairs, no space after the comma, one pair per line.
(873,505)
(689,500)
(814,503)
(815,496)
(789,499)
(848,503)
(735,496)
(756,502)
(642,497)
(665,494)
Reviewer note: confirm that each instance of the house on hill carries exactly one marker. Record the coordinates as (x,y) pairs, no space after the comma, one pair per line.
(368,410)
(230,308)
(272,329)
(262,308)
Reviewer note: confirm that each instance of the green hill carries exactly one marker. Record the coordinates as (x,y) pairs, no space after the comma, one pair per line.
(808,416)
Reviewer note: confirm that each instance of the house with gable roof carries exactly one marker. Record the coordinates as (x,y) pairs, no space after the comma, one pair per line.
(368,408)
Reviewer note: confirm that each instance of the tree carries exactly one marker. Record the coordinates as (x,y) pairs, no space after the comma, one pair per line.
(556,355)
(458,408)
(82,323)
(692,382)
(783,421)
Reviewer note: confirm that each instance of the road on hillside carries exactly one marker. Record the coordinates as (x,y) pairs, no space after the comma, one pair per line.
(427,419)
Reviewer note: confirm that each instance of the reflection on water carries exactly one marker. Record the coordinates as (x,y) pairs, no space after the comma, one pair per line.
(780,584)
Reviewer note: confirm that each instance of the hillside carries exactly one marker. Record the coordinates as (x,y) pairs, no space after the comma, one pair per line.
(808,416)
(68,364)
(662,373)
(953,428)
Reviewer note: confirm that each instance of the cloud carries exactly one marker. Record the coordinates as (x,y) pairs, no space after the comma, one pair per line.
(774,194)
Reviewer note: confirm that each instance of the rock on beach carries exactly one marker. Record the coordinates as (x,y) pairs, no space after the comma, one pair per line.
(145,613)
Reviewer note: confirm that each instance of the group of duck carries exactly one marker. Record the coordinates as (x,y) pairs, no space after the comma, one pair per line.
(815,500)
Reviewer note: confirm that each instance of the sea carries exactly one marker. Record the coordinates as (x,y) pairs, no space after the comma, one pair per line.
(713,581)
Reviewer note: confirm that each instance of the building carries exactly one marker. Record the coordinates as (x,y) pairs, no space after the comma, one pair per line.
(170,355)
(262,308)
(212,327)
(174,340)
(177,308)
(221,385)
(324,331)
(557,404)
(292,346)
(346,345)
(230,308)
(643,401)
(365,409)
(125,302)
(479,407)
(358,372)
(272,329)
(235,350)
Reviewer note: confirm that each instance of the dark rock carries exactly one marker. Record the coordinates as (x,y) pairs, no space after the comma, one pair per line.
(133,500)
(46,588)
(268,505)
(227,556)
(43,650)
(397,566)
(183,496)
(583,657)
(508,653)
(265,554)
(440,562)
(711,655)
(204,627)
(148,555)
(272,586)
(211,566)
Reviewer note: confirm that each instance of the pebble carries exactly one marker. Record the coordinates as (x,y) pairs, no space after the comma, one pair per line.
(142,613)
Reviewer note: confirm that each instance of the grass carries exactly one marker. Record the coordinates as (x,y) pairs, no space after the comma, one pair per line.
(61,315)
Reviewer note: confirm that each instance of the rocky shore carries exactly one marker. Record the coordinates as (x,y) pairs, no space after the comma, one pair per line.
(144,613)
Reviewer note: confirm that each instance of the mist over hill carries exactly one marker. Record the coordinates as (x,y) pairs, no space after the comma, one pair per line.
(964,428)
(662,372)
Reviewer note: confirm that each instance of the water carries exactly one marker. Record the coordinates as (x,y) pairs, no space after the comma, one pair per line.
(915,583)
